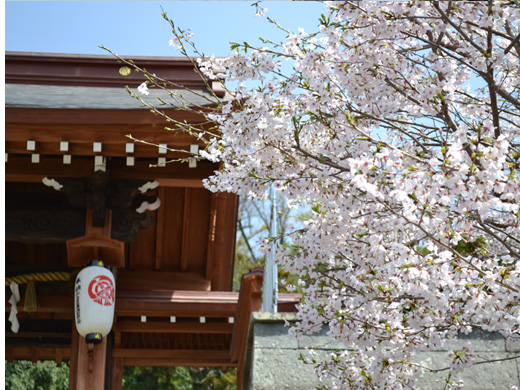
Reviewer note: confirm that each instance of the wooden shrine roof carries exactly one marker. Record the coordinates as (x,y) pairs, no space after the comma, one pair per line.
(85,97)
(95,70)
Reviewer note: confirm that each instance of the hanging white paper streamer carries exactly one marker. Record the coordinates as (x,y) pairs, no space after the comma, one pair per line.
(15,298)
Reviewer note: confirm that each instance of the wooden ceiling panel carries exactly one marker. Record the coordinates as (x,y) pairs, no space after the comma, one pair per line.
(222,241)
(169,232)
(36,255)
(142,250)
(196,223)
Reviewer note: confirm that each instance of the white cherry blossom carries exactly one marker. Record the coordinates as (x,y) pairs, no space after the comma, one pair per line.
(398,123)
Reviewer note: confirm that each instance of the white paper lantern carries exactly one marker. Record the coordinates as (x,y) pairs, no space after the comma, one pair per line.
(94,302)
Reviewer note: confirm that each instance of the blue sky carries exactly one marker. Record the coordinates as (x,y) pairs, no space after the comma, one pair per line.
(137,28)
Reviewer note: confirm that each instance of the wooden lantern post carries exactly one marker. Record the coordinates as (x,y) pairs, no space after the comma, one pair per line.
(88,361)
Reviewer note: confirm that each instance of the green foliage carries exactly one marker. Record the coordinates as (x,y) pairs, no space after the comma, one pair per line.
(25,375)
(178,378)
(244,262)
(156,378)
(472,248)
(214,378)
(254,218)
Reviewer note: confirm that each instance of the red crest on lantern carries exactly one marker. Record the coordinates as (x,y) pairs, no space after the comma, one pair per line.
(101,290)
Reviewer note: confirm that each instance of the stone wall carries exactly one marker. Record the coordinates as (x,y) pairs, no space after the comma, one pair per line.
(273,359)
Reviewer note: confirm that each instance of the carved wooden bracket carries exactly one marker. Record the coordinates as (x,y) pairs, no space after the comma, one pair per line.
(96,244)
(100,193)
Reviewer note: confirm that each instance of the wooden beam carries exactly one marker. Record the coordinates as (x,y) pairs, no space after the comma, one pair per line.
(200,362)
(188,183)
(19,168)
(177,171)
(47,140)
(59,116)
(34,353)
(115,149)
(25,352)
(101,230)
(180,297)
(160,281)
(47,304)
(166,309)
(59,355)
(9,354)
(39,335)
(63,307)
(177,327)
(151,303)
(117,339)
(179,303)
(94,70)
(175,357)
(94,246)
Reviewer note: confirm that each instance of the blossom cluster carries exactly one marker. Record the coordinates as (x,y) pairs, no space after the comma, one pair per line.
(398,122)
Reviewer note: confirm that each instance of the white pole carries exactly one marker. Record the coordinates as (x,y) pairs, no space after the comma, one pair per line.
(270,287)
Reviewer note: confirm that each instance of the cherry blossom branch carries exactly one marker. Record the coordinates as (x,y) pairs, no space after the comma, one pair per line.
(458,28)
(487,361)
(444,245)
(496,237)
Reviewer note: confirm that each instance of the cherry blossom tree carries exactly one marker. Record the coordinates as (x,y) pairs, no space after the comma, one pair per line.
(399,122)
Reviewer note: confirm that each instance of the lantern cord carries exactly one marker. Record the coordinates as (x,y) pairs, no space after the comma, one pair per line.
(90,349)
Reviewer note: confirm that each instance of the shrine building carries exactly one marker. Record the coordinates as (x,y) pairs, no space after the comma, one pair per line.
(77,189)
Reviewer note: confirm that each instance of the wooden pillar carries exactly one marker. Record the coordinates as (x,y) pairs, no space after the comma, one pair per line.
(116,378)
(250,300)
(88,361)
(87,364)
